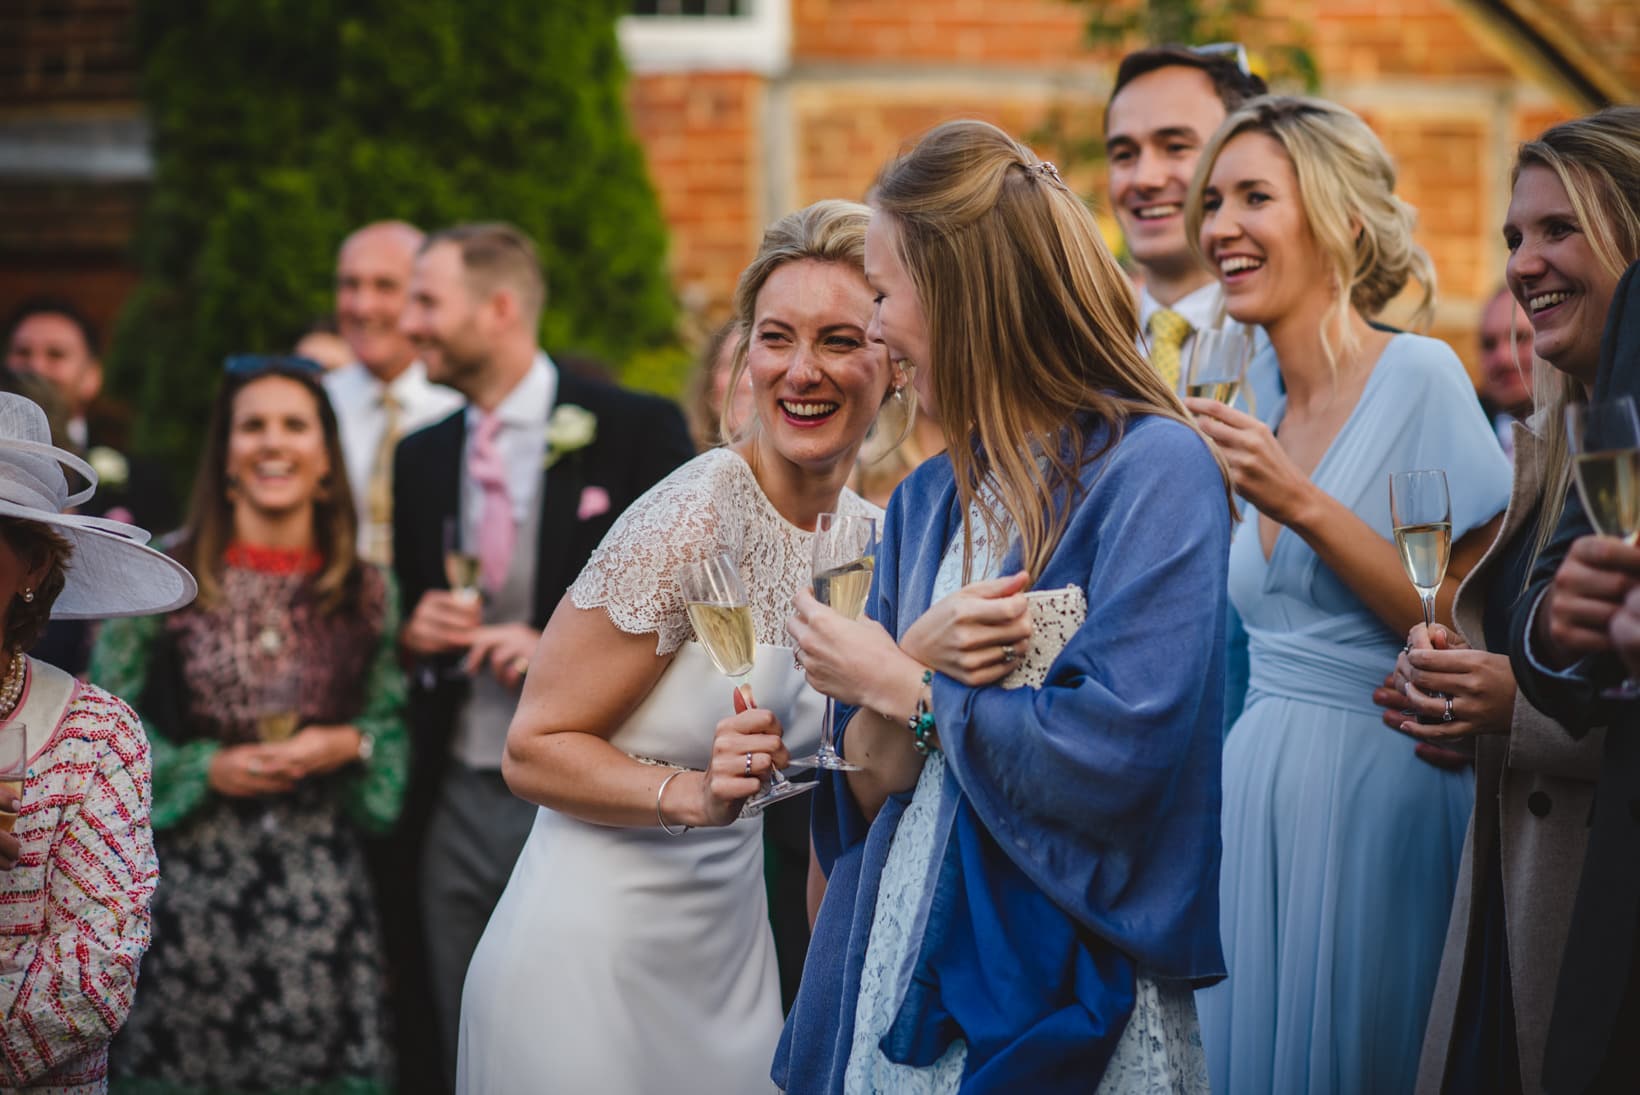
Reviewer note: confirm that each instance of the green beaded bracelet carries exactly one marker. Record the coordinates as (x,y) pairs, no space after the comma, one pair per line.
(921,722)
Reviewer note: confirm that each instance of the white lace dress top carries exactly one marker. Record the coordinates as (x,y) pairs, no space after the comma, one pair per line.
(624,959)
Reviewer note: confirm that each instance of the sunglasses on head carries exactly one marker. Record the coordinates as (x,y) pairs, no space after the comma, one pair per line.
(243,365)
(1227,51)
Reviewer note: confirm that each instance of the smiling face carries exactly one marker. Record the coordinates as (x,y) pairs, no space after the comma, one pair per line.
(1555,274)
(817,381)
(448,322)
(277,458)
(1154,135)
(372,289)
(898,322)
(1256,235)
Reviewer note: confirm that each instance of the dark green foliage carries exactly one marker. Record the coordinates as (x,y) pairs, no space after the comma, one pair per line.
(281,124)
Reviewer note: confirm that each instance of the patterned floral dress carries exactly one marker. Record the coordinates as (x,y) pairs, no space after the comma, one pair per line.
(266,970)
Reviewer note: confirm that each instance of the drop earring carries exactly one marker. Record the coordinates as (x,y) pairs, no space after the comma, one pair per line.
(28,595)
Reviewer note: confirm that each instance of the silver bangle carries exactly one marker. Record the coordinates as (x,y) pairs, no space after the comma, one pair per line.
(660,817)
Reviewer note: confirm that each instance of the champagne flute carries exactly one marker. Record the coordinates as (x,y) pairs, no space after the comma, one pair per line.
(280,717)
(1604,439)
(1218,363)
(1421,511)
(845,557)
(722,618)
(461,568)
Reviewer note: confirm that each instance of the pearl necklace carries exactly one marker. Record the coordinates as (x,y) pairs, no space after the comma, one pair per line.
(11,688)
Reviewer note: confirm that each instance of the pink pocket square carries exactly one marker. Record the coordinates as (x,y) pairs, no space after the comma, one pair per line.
(594,502)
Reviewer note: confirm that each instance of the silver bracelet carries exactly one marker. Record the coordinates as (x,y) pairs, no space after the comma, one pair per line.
(660,817)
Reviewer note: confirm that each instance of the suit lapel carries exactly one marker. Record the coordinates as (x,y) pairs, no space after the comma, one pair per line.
(559,499)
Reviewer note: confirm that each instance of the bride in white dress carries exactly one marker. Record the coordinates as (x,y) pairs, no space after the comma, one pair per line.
(631,952)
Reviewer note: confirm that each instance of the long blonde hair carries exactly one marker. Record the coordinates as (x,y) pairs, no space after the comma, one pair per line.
(832,230)
(1031,326)
(1346,183)
(1597,159)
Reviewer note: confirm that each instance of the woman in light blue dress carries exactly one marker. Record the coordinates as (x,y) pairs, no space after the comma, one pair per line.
(1341,847)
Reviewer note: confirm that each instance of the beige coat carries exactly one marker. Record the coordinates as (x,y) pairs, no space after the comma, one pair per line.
(1533,791)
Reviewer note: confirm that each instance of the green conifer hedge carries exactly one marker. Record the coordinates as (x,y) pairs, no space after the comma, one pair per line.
(279,125)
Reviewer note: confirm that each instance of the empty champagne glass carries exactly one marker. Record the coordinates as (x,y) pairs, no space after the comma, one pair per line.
(1421,511)
(1218,363)
(1604,439)
(722,618)
(845,557)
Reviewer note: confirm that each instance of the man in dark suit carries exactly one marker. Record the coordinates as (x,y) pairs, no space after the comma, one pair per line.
(51,340)
(527,477)
(1563,656)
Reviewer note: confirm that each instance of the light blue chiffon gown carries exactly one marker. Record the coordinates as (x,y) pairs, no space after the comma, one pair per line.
(1341,847)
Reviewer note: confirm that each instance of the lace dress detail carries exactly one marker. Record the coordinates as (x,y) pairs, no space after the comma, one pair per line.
(711,504)
(1160,1050)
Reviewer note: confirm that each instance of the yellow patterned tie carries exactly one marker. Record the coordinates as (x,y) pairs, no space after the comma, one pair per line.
(1168,330)
(376,539)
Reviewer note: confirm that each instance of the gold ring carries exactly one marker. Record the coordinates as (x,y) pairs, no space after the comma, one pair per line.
(521,666)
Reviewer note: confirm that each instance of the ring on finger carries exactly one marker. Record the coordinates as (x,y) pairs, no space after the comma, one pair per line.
(1009,654)
(1446,716)
(254,767)
(748,765)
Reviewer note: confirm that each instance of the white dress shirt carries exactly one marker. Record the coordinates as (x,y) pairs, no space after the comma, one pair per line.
(522,440)
(356,395)
(1202,307)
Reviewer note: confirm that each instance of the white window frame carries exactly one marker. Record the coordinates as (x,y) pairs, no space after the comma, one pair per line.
(758,41)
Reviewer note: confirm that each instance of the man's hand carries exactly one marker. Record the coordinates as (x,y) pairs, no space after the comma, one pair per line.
(505,648)
(442,622)
(1575,617)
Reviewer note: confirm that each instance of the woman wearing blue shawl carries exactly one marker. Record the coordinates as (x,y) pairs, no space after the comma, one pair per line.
(1022,882)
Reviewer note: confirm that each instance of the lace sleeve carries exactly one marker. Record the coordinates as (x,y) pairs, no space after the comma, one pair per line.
(633,574)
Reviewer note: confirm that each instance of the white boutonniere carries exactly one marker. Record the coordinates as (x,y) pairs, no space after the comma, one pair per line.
(570,428)
(112,468)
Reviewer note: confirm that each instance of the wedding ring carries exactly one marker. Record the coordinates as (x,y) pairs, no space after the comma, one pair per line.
(748,765)
(1447,717)
(1406,648)
(1008,653)
(797,663)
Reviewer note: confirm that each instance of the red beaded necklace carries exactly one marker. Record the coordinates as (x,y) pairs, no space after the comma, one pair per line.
(273,560)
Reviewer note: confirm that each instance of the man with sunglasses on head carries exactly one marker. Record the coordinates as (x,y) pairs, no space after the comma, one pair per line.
(526,478)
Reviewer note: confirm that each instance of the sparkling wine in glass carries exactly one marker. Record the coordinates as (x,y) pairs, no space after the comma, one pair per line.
(13,767)
(1604,439)
(280,717)
(461,567)
(722,619)
(1421,511)
(845,555)
(1218,363)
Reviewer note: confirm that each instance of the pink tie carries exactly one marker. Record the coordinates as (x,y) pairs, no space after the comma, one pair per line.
(496,531)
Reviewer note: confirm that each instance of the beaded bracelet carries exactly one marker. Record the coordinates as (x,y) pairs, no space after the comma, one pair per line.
(921,722)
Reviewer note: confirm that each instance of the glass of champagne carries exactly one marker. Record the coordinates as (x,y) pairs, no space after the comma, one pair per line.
(460,567)
(280,716)
(845,557)
(1421,511)
(1604,439)
(722,619)
(1218,363)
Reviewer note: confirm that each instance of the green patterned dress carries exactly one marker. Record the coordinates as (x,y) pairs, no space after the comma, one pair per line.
(266,971)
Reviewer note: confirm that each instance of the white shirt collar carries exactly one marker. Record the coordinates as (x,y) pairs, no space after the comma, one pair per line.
(530,401)
(1200,306)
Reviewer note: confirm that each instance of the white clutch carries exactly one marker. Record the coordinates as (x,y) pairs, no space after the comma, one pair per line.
(1056,614)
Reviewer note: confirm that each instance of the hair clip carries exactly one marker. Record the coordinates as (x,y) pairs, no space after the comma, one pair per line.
(1043,169)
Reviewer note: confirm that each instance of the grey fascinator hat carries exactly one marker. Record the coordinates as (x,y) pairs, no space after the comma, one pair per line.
(112,571)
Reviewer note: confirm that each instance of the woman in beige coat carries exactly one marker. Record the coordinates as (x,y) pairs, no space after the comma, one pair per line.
(1570,231)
